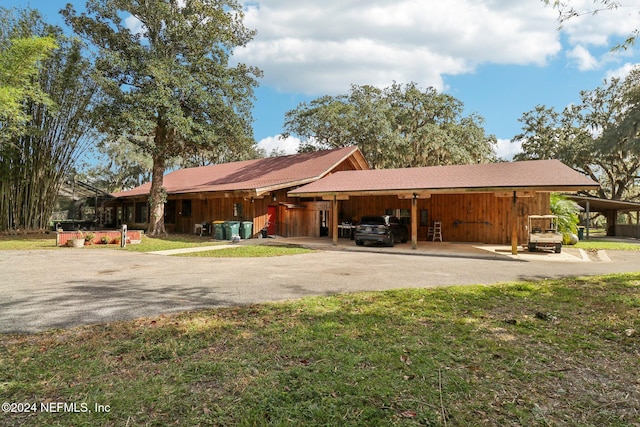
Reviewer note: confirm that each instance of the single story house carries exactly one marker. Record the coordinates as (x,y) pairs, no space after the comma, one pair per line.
(252,190)
(313,194)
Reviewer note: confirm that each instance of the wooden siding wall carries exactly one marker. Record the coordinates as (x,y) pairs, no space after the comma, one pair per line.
(300,221)
(292,217)
(208,209)
(628,230)
(467,217)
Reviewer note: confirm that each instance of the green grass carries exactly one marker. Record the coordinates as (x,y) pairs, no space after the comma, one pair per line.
(550,353)
(27,241)
(150,244)
(607,245)
(249,251)
(174,241)
(48,241)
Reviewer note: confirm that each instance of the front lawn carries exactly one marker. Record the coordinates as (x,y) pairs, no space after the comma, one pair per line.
(173,241)
(27,241)
(615,245)
(550,353)
(48,241)
(248,251)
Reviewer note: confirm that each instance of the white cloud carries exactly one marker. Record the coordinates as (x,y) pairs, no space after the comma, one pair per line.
(583,58)
(621,72)
(323,47)
(507,149)
(275,143)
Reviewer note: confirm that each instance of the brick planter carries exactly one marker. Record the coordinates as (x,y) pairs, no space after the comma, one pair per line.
(133,236)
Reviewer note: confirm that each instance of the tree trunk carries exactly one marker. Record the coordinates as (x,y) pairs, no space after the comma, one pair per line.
(157,198)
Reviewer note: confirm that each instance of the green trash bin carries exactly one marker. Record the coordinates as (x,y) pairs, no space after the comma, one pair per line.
(246,229)
(580,233)
(231,228)
(218,230)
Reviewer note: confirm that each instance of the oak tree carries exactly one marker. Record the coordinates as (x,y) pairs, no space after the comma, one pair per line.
(599,136)
(398,126)
(164,66)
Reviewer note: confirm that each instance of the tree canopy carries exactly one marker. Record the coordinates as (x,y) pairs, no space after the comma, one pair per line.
(169,88)
(56,126)
(398,126)
(599,136)
(21,57)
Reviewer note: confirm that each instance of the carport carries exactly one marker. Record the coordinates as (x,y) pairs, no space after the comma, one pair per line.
(498,194)
(610,209)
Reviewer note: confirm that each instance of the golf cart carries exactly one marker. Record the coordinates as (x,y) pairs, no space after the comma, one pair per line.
(543,233)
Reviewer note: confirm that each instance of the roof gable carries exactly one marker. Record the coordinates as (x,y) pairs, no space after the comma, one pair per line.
(542,175)
(258,175)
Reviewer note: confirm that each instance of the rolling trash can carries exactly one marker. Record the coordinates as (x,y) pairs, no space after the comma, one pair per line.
(231,228)
(218,230)
(246,229)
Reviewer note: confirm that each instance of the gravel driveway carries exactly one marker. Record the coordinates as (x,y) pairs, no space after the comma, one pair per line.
(45,289)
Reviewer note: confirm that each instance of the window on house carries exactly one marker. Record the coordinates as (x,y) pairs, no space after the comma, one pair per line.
(127,214)
(403,214)
(237,209)
(424,218)
(186,208)
(170,212)
(141,213)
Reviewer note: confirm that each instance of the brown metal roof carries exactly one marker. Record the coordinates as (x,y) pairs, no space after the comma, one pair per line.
(534,175)
(256,176)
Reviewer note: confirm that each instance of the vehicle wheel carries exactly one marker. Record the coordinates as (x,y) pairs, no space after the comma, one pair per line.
(392,240)
(558,248)
(359,243)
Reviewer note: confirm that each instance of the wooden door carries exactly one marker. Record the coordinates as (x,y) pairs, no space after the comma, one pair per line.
(272,216)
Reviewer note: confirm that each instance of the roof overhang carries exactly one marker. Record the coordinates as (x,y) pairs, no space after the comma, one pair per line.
(536,176)
(256,178)
(425,193)
(600,205)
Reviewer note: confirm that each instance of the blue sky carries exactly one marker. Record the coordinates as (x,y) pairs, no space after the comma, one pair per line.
(501,58)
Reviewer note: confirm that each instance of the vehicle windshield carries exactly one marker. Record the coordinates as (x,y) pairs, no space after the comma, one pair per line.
(372,220)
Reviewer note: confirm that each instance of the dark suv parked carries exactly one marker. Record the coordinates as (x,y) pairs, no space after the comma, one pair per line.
(380,229)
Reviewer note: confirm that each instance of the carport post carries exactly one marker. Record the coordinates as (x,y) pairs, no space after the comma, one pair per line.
(588,218)
(334,219)
(414,221)
(514,225)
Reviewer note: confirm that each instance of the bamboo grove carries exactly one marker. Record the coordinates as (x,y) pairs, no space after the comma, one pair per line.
(35,161)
